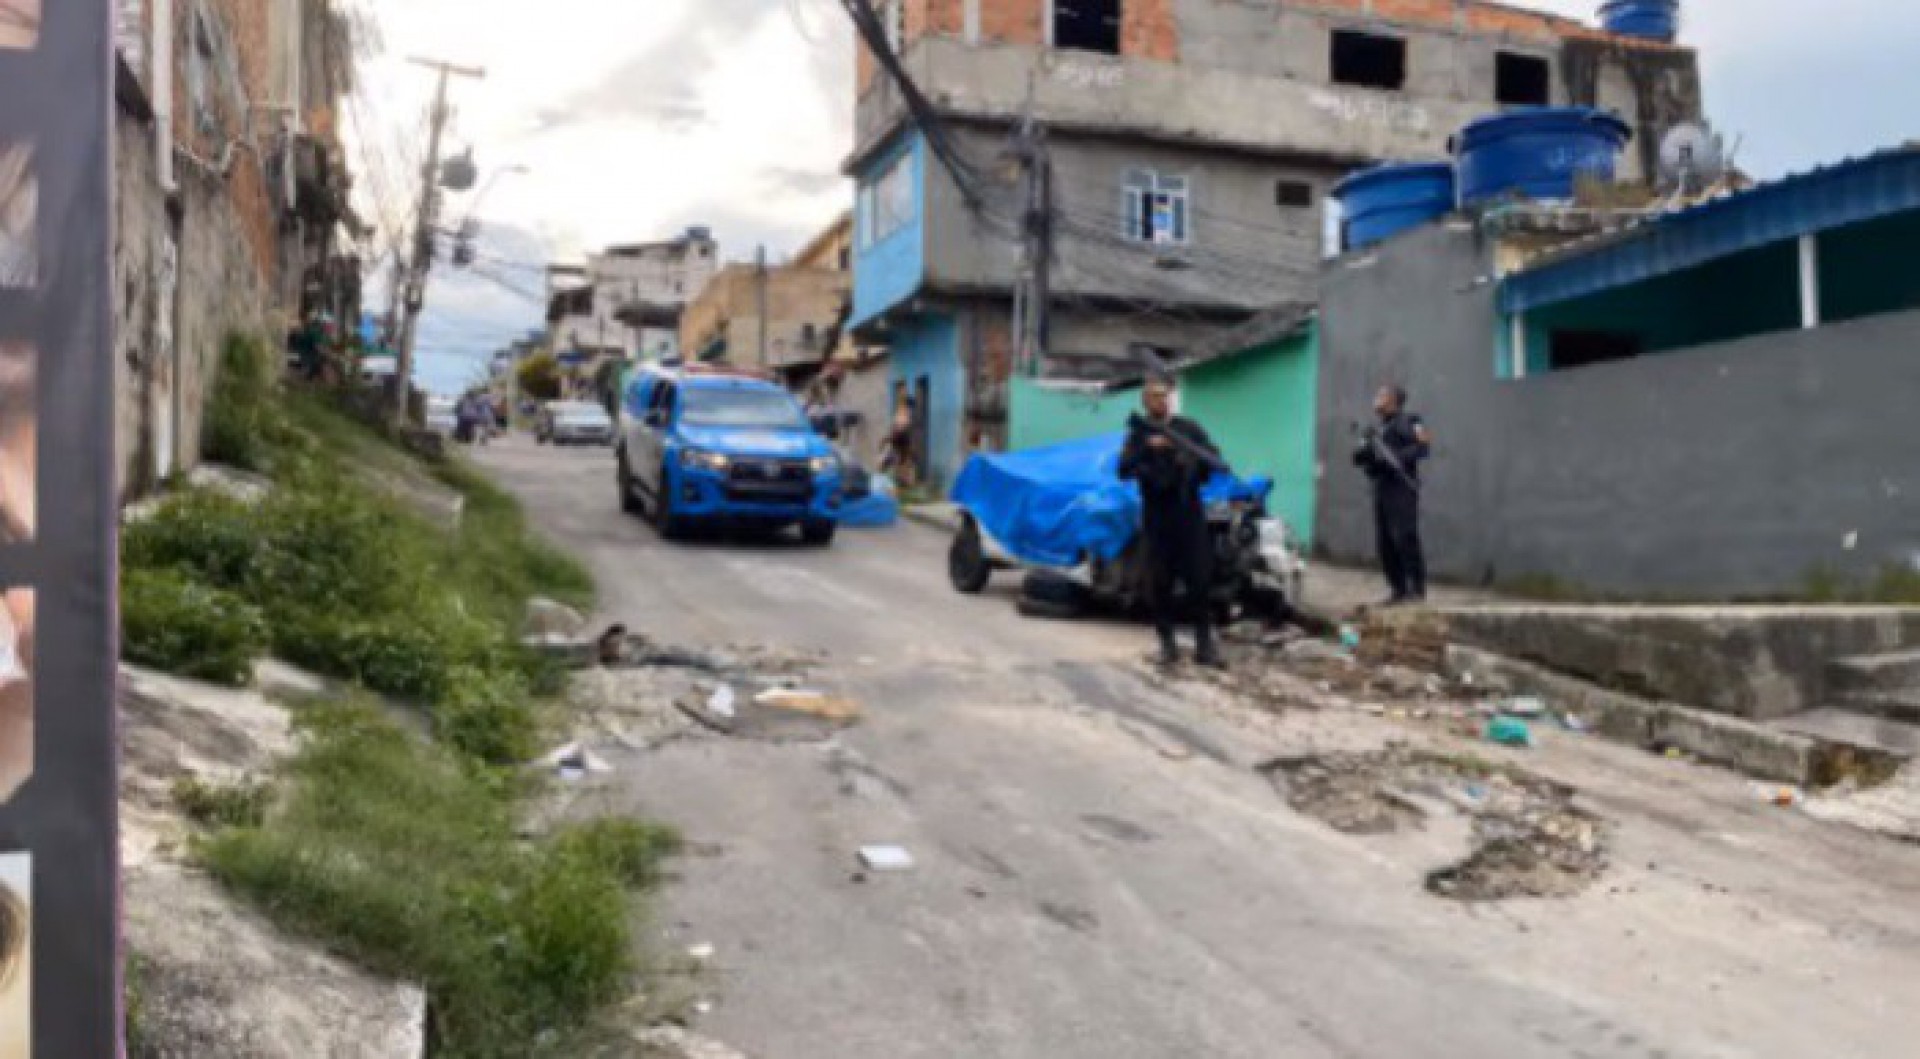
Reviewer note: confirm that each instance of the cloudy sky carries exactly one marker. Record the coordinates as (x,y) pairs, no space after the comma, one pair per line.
(635,118)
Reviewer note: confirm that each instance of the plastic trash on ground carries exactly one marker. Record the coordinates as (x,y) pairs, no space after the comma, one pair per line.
(1509,731)
(885,858)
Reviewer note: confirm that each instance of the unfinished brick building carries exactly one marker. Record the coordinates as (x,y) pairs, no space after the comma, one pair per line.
(1192,143)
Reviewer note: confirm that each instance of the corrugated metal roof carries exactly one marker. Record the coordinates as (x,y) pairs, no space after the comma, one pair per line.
(1848,192)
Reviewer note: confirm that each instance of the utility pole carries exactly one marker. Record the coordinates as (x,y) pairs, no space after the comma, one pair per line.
(760,299)
(414,288)
(1036,229)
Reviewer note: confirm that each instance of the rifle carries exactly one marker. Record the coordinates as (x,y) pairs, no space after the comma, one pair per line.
(1208,458)
(1371,438)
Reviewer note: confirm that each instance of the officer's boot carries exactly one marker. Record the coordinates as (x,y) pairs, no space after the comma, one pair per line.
(1169,647)
(1206,652)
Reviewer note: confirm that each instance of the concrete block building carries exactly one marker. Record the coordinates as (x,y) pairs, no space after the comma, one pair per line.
(1713,402)
(1192,144)
(625,303)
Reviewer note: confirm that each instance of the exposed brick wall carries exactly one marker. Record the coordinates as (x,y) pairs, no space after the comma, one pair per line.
(1013,21)
(1149,30)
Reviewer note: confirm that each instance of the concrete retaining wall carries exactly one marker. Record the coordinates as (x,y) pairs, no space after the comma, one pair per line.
(1759,663)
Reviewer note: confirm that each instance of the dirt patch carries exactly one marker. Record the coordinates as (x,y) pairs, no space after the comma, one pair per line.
(1529,840)
(1552,852)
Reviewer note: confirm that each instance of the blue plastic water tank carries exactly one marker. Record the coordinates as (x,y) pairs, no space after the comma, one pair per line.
(1377,203)
(1653,19)
(1537,152)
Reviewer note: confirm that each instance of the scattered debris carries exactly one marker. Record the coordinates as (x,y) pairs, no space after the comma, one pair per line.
(1524,706)
(1554,851)
(720,703)
(1509,731)
(886,859)
(1074,918)
(573,761)
(812,703)
(611,644)
(673,1042)
(569,651)
(1529,839)
(702,951)
(546,617)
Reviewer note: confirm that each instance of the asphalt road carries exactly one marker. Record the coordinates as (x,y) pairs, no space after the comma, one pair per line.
(1100,872)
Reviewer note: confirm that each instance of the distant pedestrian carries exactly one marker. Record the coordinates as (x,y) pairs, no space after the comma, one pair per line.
(1171,457)
(1391,452)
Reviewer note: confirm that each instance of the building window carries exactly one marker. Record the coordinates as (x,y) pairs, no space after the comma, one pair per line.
(886,203)
(1293,195)
(1578,349)
(1087,25)
(1521,80)
(1156,207)
(1369,60)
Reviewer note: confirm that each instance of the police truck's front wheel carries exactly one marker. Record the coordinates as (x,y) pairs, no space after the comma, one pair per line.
(967,566)
(818,532)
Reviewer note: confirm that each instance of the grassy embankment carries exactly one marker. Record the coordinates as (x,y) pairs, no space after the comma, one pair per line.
(397,848)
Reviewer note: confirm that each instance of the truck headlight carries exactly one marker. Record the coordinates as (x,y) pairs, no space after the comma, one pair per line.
(824,465)
(699,460)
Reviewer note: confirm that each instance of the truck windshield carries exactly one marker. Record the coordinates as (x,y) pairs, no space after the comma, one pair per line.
(764,409)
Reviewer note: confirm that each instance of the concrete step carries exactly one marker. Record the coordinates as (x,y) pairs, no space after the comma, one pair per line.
(1896,705)
(1896,671)
(1899,738)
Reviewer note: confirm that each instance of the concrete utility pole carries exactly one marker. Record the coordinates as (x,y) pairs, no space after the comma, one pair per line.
(760,299)
(1036,228)
(414,288)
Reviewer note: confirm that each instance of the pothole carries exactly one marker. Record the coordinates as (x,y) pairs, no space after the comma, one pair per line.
(1529,839)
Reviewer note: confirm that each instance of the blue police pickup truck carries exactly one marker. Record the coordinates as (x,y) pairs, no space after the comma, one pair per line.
(700,447)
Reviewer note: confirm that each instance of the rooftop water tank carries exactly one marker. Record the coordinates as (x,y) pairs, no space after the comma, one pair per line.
(1381,202)
(1652,19)
(1537,152)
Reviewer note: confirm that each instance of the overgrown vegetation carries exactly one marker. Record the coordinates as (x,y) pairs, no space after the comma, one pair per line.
(344,579)
(183,626)
(540,377)
(242,420)
(405,856)
(401,850)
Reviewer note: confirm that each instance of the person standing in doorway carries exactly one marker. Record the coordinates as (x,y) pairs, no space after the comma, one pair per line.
(1390,453)
(1171,457)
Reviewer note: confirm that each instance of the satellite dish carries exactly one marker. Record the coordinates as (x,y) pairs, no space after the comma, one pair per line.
(1692,157)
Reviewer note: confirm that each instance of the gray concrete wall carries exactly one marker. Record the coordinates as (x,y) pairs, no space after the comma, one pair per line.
(1253,78)
(1244,250)
(1253,38)
(1730,470)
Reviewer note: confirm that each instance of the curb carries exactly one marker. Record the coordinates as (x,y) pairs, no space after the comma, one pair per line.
(1742,745)
(942,517)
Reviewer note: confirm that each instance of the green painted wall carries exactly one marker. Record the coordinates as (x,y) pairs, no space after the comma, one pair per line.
(1260,407)
(1041,416)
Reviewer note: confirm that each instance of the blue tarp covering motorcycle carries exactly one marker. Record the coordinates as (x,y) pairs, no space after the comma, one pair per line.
(1062,512)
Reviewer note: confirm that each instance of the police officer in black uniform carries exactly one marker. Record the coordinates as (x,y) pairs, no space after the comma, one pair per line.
(1390,453)
(1172,457)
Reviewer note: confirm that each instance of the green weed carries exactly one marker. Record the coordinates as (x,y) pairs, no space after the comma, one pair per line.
(404,855)
(179,625)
